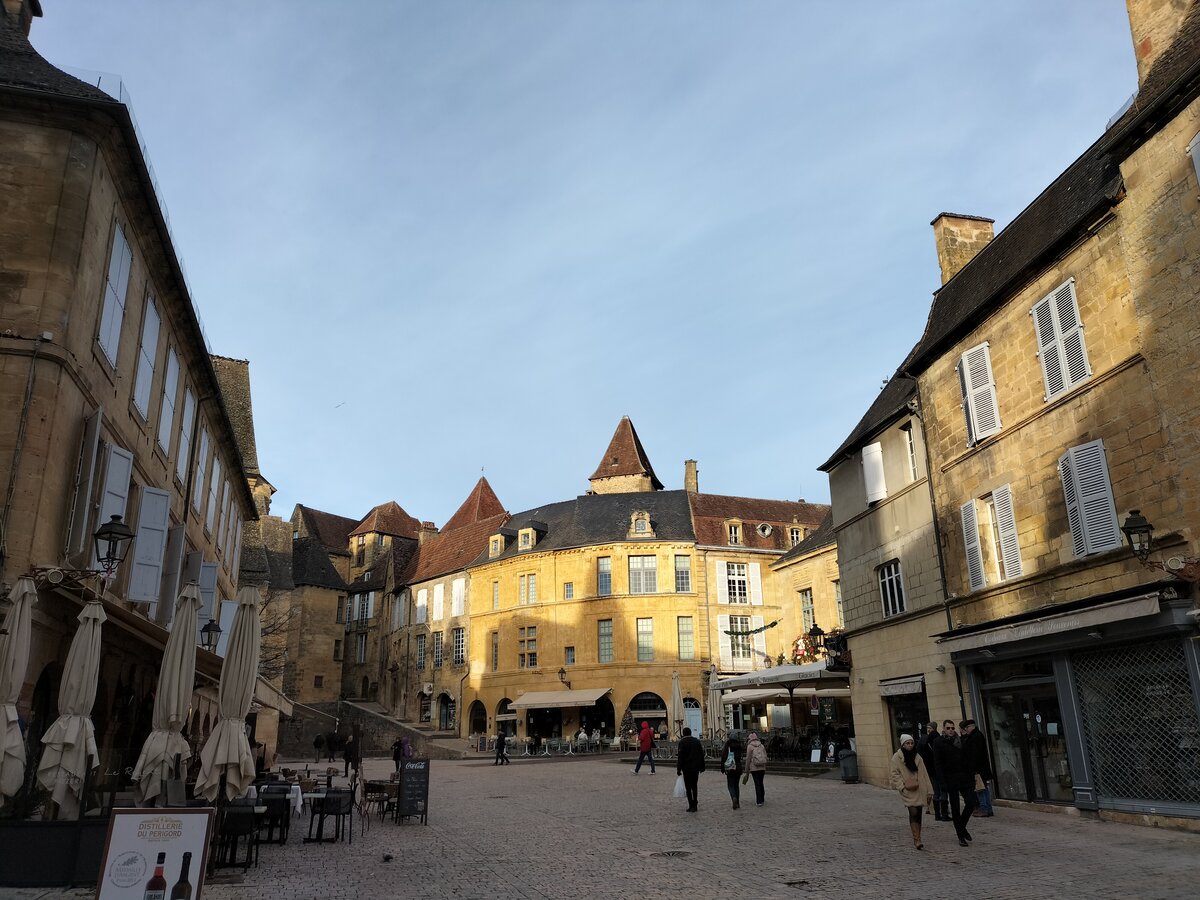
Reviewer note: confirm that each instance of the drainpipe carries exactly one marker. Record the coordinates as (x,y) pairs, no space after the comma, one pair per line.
(458,724)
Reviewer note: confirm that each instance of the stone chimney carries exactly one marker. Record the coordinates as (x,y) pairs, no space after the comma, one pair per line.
(22,12)
(1154,24)
(691,477)
(958,239)
(426,531)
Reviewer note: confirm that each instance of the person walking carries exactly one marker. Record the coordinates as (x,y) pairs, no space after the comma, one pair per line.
(501,750)
(909,777)
(689,764)
(975,747)
(645,746)
(756,765)
(958,779)
(318,743)
(397,752)
(731,765)
(941,813)
(349,755)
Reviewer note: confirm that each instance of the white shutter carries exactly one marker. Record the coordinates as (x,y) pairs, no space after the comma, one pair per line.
(201,470)
(207,579)
(166,412)
(225,614)
(1047,341)
(459,588)
(172,578)
(422,606)
(78,533)
(760,638)
(979,393)
(237,549)
(439,601)
(1070,334)
(724,644)
(143,379)
(872,458)
(117,474)
(1071,496)
(1102,530)
(756,597)
(185,435)
(370,604)
(145,578)
(974,552)
(722,582)
(1006,528)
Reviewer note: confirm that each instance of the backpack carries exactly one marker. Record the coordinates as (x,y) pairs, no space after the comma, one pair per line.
(758,756)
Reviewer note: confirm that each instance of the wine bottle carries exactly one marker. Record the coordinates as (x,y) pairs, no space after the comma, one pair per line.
(183,887)
(156,887)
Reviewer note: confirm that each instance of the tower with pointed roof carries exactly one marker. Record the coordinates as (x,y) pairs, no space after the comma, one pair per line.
(624,468)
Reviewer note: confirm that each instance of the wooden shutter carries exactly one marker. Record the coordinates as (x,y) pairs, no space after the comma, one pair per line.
(760,638)
(149,546)
(723,643)
(1070,334)
(143,379)
(1047,341)
(185,436)
(172,578)
(756,597)
(439,602)
(1071,496)
(117,474)
(974,552)
(78,532)
(1095,507)
(458,592)
(166,411)
(1006,528)
(370,604)
(979,393)
(422,606)
(207,580)
(722,582)
(872,460)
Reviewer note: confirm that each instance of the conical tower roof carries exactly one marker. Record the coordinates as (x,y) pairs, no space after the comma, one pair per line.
(481,504)
(625,457)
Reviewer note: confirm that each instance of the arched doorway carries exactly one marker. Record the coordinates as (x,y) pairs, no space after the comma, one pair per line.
(477,718)
(506,719)
(446,712)
(366,687)
(692,714)
(648,707)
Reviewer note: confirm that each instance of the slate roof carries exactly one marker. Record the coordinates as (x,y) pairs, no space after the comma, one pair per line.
(24,68)
(625,456)
(889,405)
(388,518)
(233,375)
(331,530)
(821,538)
(311,565)
(482,503)
(710,512)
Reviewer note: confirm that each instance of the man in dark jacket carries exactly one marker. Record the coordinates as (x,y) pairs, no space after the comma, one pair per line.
(941,807)
(958,778)
(690,764)
(975,746)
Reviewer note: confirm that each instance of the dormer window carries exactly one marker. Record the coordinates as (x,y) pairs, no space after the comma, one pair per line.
(525,539)
(795,535)
(735,532)
(495,546)
(764,530)
(640,525)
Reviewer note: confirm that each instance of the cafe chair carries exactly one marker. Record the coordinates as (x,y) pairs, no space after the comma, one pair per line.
(278,816)
(339,805)
(237,822)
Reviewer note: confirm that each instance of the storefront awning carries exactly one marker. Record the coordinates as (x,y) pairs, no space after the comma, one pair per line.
(894,687)
(809,675)
(558,699)
(779,696)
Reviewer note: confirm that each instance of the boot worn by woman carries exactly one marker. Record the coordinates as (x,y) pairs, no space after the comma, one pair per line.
(916,833)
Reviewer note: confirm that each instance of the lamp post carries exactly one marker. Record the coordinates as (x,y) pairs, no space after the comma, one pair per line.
(112,540)
(816,635)
(210,635)
(562,676)
(1139,532)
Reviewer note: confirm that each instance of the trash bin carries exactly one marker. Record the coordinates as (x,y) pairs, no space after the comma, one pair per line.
(849,761)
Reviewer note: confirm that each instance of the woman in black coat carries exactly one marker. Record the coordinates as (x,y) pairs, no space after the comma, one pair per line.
(731,765)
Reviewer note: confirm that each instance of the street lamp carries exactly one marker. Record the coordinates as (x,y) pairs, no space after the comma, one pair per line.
(1140,535)
(816,635)
(112,540)
(210,634)
(562,676)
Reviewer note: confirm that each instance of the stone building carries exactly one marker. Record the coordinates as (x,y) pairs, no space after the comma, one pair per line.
(111,403)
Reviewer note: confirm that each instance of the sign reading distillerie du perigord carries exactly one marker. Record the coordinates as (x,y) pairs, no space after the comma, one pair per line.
(155,854)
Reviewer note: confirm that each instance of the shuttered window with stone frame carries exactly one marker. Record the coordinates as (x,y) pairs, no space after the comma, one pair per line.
(1061,346)
(998,535)
(978,384)
(1091,512)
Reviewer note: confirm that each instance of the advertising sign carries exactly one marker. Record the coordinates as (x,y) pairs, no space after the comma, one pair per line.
(155,854)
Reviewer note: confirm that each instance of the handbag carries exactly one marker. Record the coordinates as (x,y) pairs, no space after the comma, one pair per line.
(979,785)
(730,760)
(745,777)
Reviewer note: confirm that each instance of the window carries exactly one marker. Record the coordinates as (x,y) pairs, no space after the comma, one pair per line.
(438,649)
(569,656)
(978,386)
(185,430)
(683,574)
(532,588)
(1091,513)
(643,574)
(143,379)
(527,589)
(360,651)
(604,641)
(841,609)
(318,681)
(422,612)
(735,577)
(379,538)
(360,549)
(645,640)
(735,534)
(739,641)
(420,653)
(494,547)
(459,645)
(116,283)
(891,588)
(1060,342)
(526,540)
(495,651)
(337,651)
(527,647)
(795,536)
(458,594)
(687,637)
(910,443)
(604,576)
(991,544)
(569,590)
(214,487)
(872,462)
(806,609)
(166,410)
(366,603)
(201,464)
(495,595)
(640,526)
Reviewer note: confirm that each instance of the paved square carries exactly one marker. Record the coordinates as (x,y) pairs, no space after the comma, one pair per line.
(587,827)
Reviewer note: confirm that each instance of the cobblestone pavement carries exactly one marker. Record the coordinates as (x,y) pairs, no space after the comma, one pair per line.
(584,828)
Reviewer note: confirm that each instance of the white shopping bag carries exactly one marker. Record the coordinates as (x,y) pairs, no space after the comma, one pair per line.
(680,791)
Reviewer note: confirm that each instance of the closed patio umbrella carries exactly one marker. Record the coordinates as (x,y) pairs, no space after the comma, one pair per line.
(14,658)
(70,743)
(675,710)
(227,750)
(715,711)
(171,700)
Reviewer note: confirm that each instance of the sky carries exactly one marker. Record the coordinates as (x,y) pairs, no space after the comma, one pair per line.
(466,237)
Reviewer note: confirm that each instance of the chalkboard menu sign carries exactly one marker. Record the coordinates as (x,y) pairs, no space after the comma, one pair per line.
(414,790)
(482,745)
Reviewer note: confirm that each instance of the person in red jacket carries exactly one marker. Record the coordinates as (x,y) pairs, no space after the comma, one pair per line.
(645,745)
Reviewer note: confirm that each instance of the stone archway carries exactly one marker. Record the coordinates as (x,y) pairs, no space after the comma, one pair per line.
(447,712)
(506,719)
(477,719)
